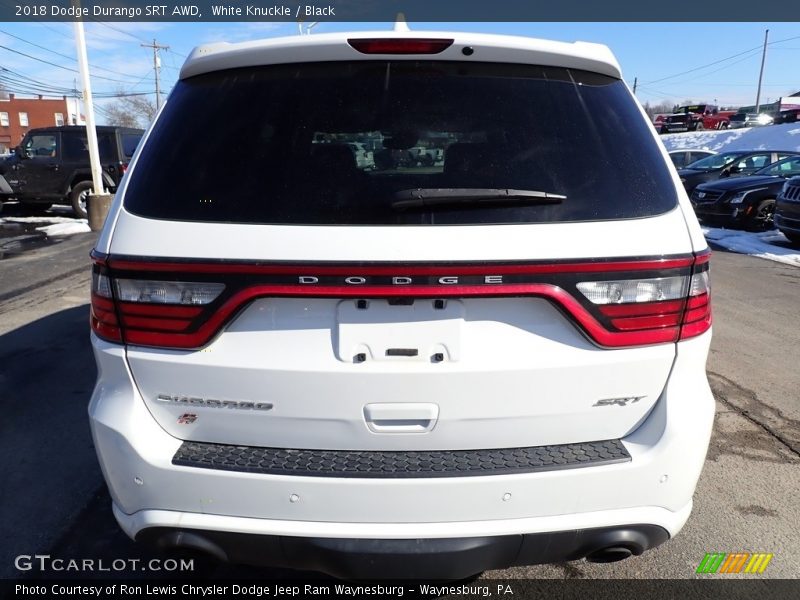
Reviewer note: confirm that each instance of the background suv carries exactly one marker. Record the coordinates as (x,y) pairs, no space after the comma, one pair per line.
(787,210)
(417,370)
(51,165)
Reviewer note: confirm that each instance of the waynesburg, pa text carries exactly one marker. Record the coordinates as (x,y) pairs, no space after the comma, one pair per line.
(261,590)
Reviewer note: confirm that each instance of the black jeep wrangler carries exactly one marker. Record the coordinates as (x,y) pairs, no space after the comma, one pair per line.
(51,165)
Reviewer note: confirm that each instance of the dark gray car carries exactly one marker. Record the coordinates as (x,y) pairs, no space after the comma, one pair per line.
(729,164)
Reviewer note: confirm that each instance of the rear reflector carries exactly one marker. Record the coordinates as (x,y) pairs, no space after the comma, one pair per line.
(400,46)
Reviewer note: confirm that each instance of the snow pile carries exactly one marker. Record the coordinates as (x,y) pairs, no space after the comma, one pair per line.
(40,220)
(771,245)
(769,137)
(62,229)
(52,226)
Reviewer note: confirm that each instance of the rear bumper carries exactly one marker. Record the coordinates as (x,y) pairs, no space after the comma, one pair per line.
(416,558)
(152,496)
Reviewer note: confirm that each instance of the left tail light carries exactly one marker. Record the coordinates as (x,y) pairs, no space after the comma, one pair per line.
(149,312)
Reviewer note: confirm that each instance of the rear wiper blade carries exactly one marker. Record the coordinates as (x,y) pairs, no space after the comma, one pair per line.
(424,197)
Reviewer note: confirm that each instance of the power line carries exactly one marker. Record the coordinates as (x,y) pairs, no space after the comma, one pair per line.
(183,56)
(72,58)
(52,64)
(711,64)
(53,29)
(117,29)
(18,82)
(736,62)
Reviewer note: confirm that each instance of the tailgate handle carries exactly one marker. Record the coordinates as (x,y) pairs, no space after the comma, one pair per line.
(401,417)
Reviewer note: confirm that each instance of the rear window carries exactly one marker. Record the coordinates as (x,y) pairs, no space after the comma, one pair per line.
(344,143)
(129,143)
(76,146)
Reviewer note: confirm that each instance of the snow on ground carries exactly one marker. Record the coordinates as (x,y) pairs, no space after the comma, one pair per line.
(771,245)
(769,137)
(43,219)
(51,226)
(62,229)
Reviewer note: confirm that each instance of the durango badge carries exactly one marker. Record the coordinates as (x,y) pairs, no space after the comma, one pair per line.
(211,403)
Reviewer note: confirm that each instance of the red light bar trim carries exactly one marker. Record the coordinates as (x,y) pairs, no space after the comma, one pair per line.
(101,302)
(557,295)
(641,309)
(698,327)
(697,301)
(103,319)
(649,322)
(155,324)
(702,257)
(400,45)
(105,316)
(697,319)
(164,311)
(107,332)
(402,269)
(635,323)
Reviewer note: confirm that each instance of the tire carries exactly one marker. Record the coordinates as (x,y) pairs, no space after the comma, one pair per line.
(78,196)
(762,217)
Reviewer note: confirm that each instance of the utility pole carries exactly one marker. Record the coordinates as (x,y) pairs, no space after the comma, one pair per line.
(635,83)
(761,72)
(156,67)
(91,132)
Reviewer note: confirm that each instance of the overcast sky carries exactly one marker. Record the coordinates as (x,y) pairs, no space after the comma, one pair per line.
(673,62)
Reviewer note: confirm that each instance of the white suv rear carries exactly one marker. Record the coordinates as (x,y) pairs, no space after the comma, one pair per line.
(495,359)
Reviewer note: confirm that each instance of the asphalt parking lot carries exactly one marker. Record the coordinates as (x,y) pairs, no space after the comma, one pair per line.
(54,500)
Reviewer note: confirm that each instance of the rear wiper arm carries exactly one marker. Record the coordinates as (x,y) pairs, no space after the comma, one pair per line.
(423,197)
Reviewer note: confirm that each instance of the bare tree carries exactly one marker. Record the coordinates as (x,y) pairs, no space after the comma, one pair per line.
(130,111)
(657,109)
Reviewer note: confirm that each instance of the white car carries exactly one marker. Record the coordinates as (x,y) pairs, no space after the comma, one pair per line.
(364,159)
(740,120)
(406,373)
